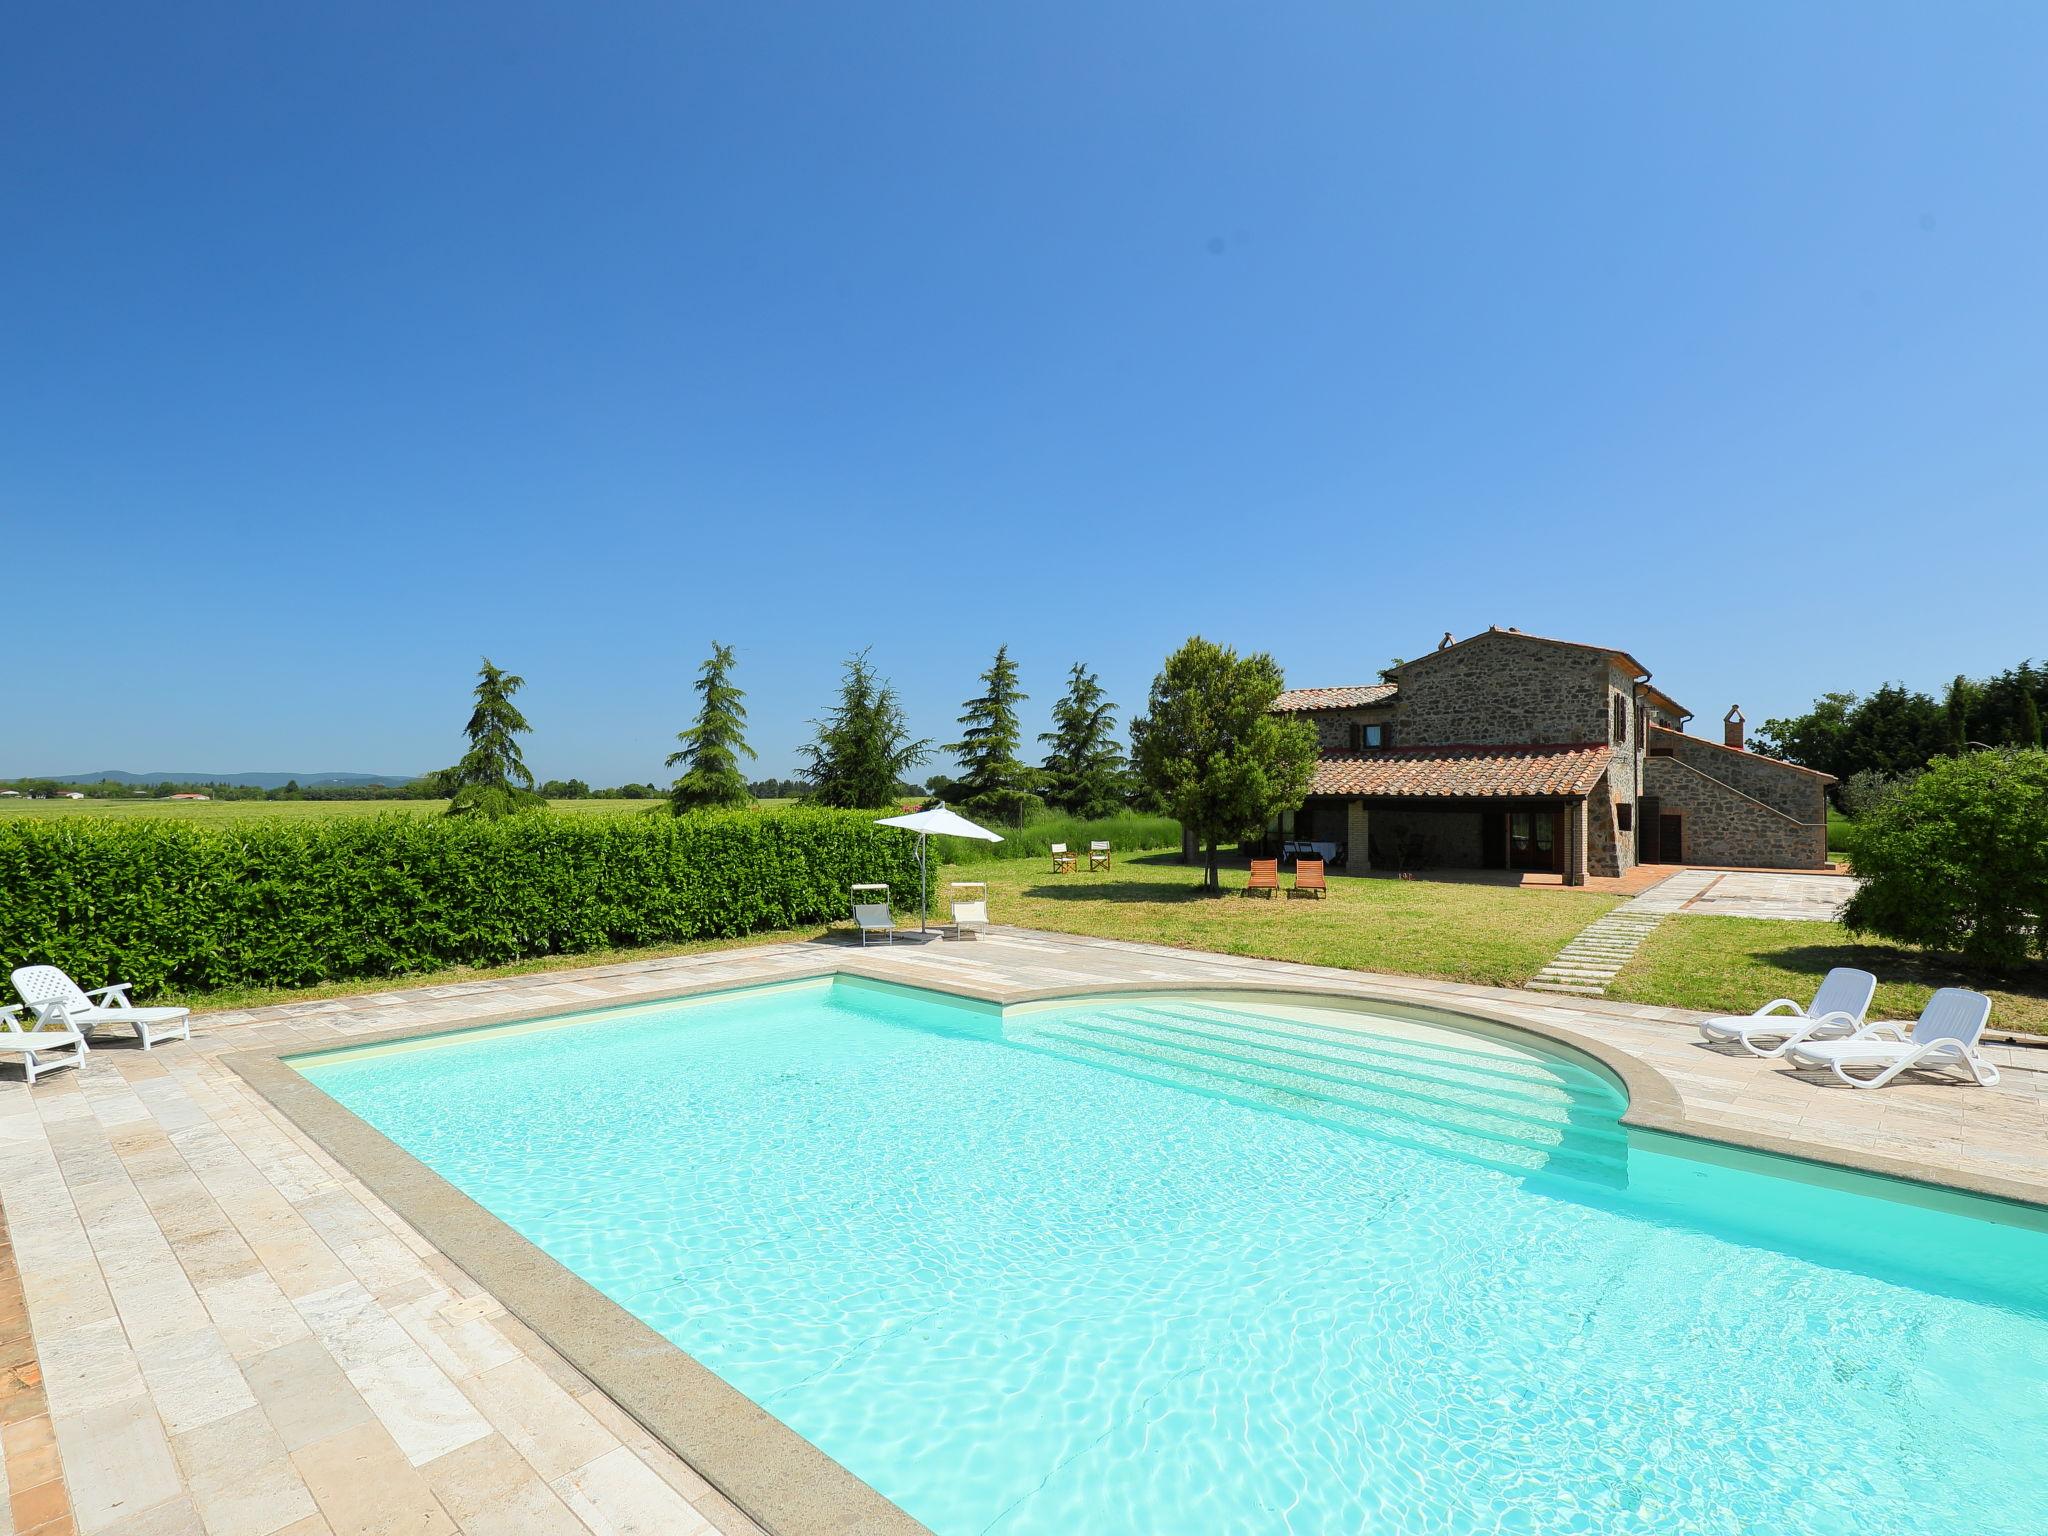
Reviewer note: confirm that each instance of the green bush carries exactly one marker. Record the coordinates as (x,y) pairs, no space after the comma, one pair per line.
(1126,834)
(1958,860)
(295,903)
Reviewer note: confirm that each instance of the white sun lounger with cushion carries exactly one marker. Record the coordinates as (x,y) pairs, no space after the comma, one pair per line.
(39,1050)
(970,908)
(59,1000)
(1946,1037)
(1837,1011)
(873,916)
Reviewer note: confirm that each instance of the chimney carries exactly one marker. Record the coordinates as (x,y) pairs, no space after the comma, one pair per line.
(1731,728)
(1445,643)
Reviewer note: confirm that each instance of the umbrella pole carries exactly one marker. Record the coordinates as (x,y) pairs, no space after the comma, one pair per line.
(923,887)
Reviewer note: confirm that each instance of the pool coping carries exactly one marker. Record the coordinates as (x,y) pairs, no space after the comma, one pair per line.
(782,1481)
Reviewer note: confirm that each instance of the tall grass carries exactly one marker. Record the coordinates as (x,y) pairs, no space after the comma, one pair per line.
(1127,833)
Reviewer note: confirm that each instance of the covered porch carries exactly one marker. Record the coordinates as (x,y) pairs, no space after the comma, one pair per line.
(1545,835)
(1514,809)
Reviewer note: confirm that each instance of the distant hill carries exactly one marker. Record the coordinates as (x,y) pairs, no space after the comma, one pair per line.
(247,780)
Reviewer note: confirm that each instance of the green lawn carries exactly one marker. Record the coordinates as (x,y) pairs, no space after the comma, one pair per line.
(1494,935)
(243,810)
(1735,964)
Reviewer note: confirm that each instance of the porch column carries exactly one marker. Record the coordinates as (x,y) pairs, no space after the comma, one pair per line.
(1357,837)
(1575,842)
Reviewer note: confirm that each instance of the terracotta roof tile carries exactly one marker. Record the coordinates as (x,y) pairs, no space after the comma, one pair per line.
(1491,773)
(1296,699)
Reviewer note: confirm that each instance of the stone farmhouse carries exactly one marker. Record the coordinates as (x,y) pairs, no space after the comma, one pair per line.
(1511,751)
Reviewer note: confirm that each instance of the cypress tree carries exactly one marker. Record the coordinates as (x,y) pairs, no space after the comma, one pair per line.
(1958,712)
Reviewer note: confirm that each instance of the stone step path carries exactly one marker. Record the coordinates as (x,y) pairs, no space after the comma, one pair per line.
(1585,966)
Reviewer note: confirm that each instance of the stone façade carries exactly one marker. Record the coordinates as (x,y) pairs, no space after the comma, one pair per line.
(1504,688)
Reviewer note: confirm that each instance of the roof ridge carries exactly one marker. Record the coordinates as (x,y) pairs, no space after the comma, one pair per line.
(1439,748)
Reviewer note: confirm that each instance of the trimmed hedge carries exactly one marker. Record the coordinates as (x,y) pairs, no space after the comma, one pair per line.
(1128,833)
(294,903)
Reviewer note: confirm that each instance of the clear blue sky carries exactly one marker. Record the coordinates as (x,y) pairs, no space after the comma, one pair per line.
(343,344)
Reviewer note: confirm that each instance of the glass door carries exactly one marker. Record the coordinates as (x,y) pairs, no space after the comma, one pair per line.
(1532,840)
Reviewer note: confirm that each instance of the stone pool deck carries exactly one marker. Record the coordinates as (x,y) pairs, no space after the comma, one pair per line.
(227,1332)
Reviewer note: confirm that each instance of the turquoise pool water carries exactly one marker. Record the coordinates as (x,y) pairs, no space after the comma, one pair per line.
(1199,1266)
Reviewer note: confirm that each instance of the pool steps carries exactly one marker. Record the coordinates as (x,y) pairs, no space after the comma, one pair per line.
(1508,1112)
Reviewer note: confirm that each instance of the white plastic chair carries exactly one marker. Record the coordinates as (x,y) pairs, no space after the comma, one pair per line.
(57,999)
(1837,1012)
(873,916)
(41,1050)
(1946,1036)
(970,913)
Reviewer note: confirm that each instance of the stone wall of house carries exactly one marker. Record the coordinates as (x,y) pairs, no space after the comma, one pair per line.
(1500,688)
(1800,795)
(1333,726)
(1608,852)
(1449,839)
(1725,826)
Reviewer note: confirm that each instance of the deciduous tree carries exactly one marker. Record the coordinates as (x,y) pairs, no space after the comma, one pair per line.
(1209,745)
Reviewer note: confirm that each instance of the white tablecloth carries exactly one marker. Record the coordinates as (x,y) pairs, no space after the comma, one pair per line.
(1327,852)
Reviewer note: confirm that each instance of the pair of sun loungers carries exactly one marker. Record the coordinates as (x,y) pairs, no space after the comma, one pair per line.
(1832,1036)
(1308,878)
(873,916)
(66,1014)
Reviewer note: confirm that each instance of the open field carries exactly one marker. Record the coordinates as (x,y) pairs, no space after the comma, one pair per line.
(1736,964)
(244,810)
(1488,934)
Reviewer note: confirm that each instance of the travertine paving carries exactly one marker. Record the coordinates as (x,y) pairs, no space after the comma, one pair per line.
(1789,897)
(235,1336)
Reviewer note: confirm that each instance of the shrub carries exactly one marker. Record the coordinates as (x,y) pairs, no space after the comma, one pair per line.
(1126,834)
(294,903)
(1958,860)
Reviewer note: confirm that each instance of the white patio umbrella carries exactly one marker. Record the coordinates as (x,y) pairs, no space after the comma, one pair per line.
(939,822)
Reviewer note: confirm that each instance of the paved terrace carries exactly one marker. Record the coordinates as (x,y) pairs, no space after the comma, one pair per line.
(232,1335)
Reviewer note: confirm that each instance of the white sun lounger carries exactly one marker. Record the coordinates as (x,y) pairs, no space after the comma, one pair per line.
(1946,1036)
(59,1000)
(1837,1012)
(40,1050)
(873,916)
(970,908)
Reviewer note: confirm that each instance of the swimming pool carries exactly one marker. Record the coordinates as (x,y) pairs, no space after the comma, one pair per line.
(1184,1263)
